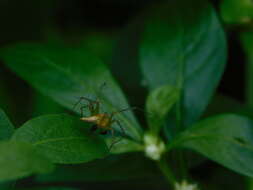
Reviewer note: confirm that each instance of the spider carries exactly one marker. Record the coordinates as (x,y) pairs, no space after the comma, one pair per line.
(101,120)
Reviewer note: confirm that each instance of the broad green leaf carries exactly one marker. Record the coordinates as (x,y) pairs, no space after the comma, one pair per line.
(62,138)
(66,74)
(234,11)
(115,167)
(159,103)
(6,127)
(182,44)
(45,105)
(19,159)
(226,139)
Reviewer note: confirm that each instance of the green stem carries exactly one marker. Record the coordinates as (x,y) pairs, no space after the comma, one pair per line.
(180,84)
(178,115)
(165,169)
(182,165)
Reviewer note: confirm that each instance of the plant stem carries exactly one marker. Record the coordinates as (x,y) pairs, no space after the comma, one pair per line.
(165,169)
(182,165)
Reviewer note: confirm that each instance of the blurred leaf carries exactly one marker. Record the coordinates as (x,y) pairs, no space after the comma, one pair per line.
(62,139)
(159,103)
(6,127)
(19,159)
(237,12)
(121,167)
(226,139)
(65,74)
(183,45)
(6,131)
(100,44)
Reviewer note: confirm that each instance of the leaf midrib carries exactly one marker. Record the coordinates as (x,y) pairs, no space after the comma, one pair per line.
(58,139)
(194,137)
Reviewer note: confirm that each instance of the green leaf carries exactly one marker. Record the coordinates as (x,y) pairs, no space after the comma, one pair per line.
(44,105)
(115,167)
(234,11)
(124,145)
(66,74)
(183,45)
(6,127)
(159,103)
(19,159)
(226,139)
(6,131)
(62,138)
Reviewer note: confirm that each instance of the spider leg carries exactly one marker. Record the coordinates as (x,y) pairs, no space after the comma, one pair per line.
(114,141)
(78,102)
(93,105)
(82,108)
(99,93)
(123,110)
(132,108)
(90,101)
(121,127)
